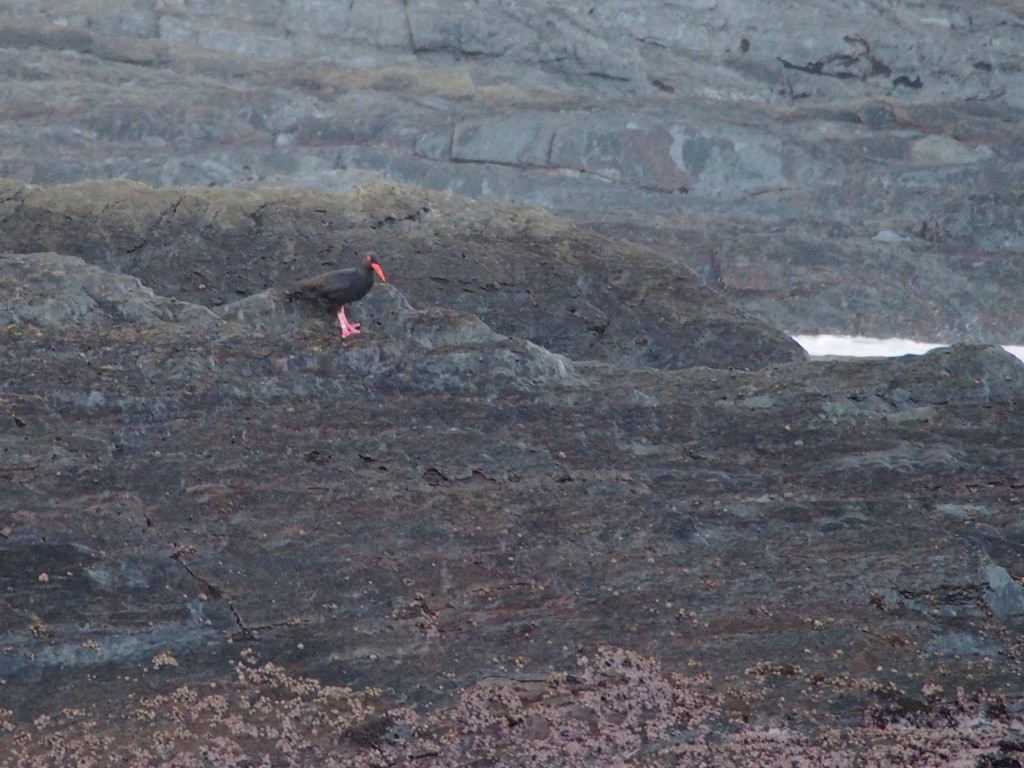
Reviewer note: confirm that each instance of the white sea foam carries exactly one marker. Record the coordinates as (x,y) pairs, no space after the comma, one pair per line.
(865,346)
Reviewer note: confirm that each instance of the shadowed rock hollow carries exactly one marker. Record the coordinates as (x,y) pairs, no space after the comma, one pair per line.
(542,444)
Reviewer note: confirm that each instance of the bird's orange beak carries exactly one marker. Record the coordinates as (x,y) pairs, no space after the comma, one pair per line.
(379,271)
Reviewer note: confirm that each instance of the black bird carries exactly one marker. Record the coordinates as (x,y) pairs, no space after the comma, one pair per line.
(336,290)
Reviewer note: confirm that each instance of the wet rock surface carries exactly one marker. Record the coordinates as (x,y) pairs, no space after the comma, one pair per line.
(194,469)
(832,167)
(523,271)
(560,500)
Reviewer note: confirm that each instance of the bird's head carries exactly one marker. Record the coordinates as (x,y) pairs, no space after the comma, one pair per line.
(371,261)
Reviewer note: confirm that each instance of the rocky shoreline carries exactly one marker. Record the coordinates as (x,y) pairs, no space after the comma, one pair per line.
(574,496)
(482,485)
(770,147)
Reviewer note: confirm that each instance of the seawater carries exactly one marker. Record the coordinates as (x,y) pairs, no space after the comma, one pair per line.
(866,346)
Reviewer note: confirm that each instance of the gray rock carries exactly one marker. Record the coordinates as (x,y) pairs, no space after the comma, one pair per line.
(545,440)
(765,147)
(942,150)
(537,278)
(47,290)
(1005,595)
(516,141)
(438,497)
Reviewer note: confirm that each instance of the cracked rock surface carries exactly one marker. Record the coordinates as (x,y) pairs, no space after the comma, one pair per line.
(833,166)
(192,468)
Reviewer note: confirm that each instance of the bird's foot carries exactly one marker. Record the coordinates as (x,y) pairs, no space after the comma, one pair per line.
(348,328)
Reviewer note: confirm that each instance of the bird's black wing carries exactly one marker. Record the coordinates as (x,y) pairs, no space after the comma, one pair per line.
(333,288)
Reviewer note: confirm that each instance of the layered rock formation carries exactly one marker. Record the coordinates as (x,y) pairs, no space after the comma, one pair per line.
(561,503)
(475,491)
(835,167)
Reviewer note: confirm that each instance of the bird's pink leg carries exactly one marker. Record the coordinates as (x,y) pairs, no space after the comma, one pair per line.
(347,328)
